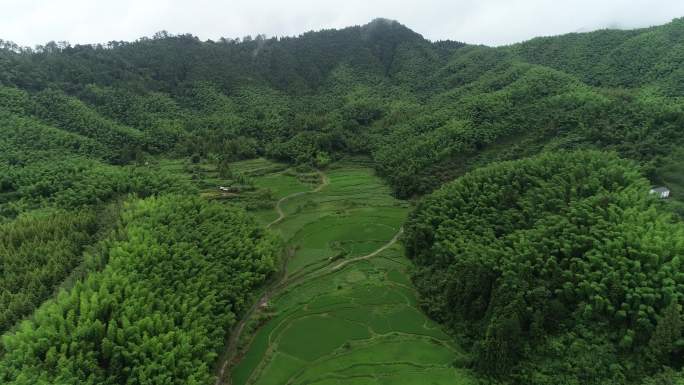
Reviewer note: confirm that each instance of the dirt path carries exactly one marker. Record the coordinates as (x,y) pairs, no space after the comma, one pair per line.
(373,254)
(235,334)
(281,214)
(288,282)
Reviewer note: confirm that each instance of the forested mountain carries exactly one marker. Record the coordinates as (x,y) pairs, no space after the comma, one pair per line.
(80,125)
(425,111)
(558,267)
(615,58)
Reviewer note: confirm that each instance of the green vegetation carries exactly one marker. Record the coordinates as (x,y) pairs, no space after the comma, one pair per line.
(560,268)
(426,112)
(126,168)
(37,253)
(155,313)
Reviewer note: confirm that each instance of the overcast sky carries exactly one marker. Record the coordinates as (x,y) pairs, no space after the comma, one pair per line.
(492,22)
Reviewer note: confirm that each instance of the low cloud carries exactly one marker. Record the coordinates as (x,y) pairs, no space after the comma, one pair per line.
(492,22)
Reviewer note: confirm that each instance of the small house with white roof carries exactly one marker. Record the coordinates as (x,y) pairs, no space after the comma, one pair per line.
(661,192)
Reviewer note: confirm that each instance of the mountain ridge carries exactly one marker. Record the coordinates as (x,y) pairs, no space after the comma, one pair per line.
(354,75)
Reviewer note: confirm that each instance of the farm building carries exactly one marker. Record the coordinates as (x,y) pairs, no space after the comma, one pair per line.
(661,192)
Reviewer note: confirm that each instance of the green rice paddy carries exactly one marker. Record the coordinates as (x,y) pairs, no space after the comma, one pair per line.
(333,323)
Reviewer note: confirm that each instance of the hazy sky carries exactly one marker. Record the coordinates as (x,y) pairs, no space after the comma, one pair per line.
(493,22)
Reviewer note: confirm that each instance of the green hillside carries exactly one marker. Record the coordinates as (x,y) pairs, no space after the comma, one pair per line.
(529,167)
(557,266)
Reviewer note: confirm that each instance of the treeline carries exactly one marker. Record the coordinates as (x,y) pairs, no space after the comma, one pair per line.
(165,62)
(63,163)
(173,285)
(559,269)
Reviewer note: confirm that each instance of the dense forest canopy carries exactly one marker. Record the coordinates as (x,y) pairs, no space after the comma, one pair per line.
(156,313)
(555,267)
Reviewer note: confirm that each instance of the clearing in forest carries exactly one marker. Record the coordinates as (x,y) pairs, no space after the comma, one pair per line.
(344,312)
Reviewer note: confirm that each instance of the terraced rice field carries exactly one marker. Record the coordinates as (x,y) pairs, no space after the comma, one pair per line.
(334,322)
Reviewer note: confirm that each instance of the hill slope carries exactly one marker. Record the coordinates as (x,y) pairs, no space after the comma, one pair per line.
(84,127)
(426,111)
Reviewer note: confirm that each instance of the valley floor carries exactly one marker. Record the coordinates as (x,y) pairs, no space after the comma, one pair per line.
(344,310)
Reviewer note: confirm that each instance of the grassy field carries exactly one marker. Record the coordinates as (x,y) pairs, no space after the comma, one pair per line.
(258,183)
(330,322)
